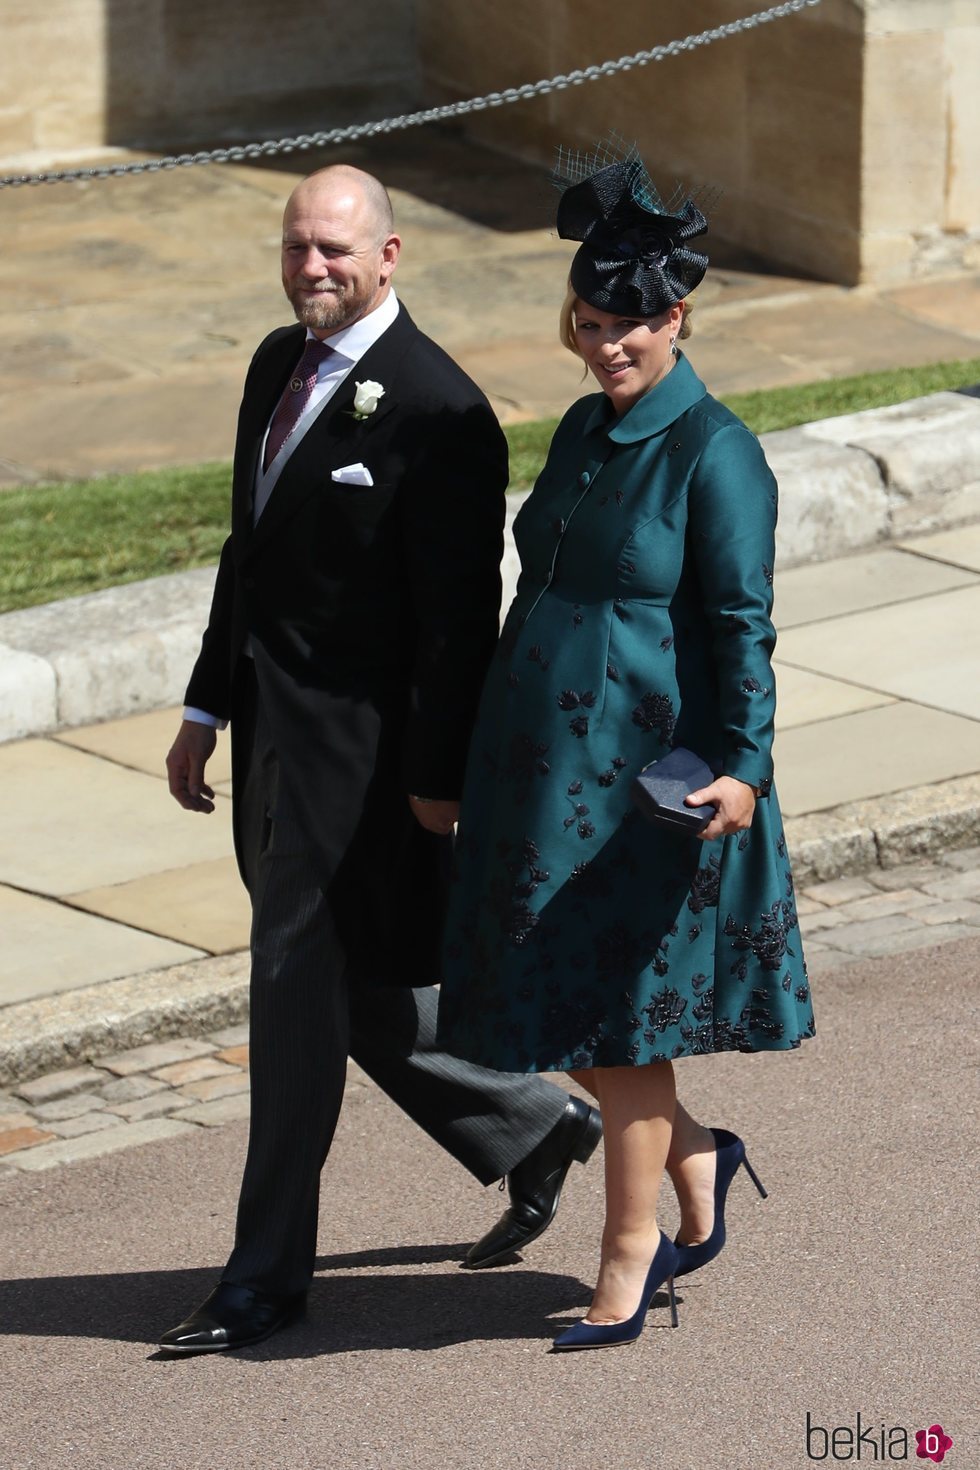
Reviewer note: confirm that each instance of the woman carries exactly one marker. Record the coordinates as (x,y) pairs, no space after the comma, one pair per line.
(581,937)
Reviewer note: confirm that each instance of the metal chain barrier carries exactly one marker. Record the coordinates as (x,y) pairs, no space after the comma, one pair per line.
(247,151)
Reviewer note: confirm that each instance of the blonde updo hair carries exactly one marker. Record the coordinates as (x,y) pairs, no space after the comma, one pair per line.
(566,320)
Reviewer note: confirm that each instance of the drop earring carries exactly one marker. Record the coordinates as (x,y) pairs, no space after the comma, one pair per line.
(673,346)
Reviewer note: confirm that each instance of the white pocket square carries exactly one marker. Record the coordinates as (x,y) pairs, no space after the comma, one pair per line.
(352,474)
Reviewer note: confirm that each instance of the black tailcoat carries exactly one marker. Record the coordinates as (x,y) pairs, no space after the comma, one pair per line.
(373,614)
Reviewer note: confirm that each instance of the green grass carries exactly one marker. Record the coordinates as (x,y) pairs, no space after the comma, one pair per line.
(784,408)
(65,539)
(528,444)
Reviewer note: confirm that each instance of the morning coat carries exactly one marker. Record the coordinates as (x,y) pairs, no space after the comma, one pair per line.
(372,614)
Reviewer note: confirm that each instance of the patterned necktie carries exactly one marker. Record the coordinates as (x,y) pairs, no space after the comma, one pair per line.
(295,397)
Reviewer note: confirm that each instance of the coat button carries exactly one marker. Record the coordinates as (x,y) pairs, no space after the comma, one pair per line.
(584,479)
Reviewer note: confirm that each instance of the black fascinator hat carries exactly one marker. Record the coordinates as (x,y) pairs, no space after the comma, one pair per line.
(635,258)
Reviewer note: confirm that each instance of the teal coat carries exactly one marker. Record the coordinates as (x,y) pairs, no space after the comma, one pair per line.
(579,934)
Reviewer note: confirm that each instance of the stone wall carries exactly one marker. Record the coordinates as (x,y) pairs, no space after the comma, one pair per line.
(846,139)
(76,75)
(920,164)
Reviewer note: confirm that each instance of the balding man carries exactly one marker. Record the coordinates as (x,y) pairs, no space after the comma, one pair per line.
(354,614)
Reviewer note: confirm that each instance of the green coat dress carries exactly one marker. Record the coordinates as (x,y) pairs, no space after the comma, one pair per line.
(580,935)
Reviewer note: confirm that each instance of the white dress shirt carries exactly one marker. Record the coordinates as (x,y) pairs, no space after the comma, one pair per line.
(349,346)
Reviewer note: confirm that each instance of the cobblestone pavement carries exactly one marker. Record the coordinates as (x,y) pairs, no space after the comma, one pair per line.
(891,911)
(133,1097)
(171,1087)
(138,1096)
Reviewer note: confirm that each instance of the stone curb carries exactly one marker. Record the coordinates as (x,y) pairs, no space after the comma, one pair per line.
(75,1026)
(852,481)
(887,832)
(845,483)
(109,654)
(207,995)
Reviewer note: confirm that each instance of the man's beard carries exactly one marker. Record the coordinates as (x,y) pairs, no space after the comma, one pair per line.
(330,309)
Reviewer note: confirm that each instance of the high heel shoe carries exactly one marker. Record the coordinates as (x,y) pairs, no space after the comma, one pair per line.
(587,1334)
(729,1154)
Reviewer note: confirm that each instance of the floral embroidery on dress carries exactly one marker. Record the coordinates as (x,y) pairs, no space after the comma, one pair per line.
(768,943)
(665,1009)
(525,761)
(705,886)
(655,712)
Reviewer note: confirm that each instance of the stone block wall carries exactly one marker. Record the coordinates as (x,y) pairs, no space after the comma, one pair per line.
(846,139)
(772,116)
(52,76)
(81,74)
(920,167)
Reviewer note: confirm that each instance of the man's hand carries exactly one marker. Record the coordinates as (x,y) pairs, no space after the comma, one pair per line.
(735,801)
(435,816)
(186,760)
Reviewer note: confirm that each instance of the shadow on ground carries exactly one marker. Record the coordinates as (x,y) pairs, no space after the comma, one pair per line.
(347,1313)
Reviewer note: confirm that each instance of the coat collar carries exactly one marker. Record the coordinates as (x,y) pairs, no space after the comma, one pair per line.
(655,411)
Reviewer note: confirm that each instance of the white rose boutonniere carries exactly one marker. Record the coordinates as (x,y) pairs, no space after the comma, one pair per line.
(367,396)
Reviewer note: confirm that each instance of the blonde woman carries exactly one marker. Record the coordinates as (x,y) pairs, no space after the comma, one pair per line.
(582,938)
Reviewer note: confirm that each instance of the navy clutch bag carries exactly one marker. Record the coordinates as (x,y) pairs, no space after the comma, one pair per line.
(660,788)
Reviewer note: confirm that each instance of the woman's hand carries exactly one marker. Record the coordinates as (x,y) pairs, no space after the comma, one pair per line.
(435,816)
(735,801)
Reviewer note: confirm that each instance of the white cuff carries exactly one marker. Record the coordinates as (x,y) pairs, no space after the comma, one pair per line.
(201,717)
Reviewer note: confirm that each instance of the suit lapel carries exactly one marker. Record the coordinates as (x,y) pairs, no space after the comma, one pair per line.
(336,438)
(280,361)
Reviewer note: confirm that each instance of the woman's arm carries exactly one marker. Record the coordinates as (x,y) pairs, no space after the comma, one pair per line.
(732,535)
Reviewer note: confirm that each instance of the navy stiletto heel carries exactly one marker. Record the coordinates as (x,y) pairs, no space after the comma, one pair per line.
(729,1154)
(585,1334)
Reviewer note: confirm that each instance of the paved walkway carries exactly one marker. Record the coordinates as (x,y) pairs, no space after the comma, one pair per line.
(847,1291)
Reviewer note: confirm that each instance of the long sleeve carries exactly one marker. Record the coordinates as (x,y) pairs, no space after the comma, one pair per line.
(210,682)
(732,506)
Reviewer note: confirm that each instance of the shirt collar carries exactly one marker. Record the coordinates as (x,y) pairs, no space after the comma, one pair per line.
(353,342)
(655,411)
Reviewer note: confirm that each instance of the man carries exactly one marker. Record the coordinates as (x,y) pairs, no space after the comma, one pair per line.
(354,613)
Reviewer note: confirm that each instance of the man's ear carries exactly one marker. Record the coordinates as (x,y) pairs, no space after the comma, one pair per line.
(390,251)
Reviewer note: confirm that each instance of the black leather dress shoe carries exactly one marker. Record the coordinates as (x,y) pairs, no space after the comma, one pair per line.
(233,1317)
(535,1184)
